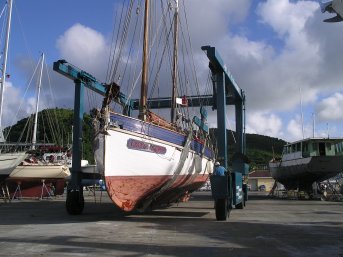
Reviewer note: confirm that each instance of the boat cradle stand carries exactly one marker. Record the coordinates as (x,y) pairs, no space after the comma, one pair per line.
(5,193)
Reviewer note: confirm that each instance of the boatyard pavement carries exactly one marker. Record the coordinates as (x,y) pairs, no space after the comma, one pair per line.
(266,227)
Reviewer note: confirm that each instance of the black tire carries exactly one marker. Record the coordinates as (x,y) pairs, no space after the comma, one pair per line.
(229,208)
(75,202)
(240,205)
(221,209)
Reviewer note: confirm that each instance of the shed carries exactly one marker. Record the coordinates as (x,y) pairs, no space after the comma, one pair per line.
(258,178)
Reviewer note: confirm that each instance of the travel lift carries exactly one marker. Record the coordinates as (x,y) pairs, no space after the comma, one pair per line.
(225,92)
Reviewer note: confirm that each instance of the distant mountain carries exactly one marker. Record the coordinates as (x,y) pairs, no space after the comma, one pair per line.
(55,126)
(259,149)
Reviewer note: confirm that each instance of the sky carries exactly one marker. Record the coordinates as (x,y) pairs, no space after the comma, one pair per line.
(280,52)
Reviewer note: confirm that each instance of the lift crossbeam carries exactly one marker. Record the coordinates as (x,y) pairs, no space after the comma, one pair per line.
(74,73)
(88,80)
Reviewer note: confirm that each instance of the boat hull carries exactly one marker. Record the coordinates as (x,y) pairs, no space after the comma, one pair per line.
(35,188)
(40,172)
(37,181)
(303,172)
(9,161)
(89,169)
(142,170)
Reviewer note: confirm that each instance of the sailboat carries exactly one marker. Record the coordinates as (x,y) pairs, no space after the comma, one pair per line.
(32,174)
(150,161)
(10,154)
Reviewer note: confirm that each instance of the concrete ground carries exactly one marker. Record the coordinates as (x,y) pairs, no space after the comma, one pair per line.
(266,227)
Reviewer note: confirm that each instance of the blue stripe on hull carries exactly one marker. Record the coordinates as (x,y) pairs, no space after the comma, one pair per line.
(151,130)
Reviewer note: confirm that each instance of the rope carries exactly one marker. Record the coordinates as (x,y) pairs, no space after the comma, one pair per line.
(22,31)
(115,47)
(177,171)
(123,39)
(22,100)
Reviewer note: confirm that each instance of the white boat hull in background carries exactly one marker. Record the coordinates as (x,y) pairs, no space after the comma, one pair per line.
(9,161)
(37,171)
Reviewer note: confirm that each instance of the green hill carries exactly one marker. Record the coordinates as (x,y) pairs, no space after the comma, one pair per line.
(259,149)
(54,126)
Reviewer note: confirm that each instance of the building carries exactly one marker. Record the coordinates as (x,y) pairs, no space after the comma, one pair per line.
(259,179)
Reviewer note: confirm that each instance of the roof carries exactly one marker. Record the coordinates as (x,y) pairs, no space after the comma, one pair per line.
(260,174)
(320,139)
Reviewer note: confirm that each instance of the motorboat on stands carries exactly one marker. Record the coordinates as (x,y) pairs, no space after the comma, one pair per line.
(307,161)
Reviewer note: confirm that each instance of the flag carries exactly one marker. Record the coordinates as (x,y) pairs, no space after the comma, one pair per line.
(182,101)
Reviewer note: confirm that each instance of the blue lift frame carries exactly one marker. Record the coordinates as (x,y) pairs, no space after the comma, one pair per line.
(225,92)
(224,85)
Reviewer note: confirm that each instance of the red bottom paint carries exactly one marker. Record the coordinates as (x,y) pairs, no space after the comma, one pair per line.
(130,192)
(35,188)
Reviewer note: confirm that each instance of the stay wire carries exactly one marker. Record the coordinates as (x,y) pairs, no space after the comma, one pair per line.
(112,52)
(112,65)
(131,47)
(191,50)
(158,68)
(26,90)
(123,40)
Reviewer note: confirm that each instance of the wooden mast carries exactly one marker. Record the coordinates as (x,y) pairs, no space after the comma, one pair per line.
(144,85)
(175,62)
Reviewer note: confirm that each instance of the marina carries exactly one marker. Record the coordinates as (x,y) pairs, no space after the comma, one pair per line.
(151,147)
(266,227)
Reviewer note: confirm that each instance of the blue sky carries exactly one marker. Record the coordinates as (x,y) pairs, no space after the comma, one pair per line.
(272,47)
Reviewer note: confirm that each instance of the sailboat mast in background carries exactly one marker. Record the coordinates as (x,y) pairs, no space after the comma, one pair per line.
(4,67)
(34,136)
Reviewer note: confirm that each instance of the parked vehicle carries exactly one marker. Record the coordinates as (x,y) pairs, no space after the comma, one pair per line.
(262,188)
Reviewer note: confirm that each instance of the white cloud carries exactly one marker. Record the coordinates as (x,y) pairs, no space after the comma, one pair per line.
(209,20)
(11,111)
(330,108)
(294,129)
(270,74)
(264,123)
(298,128)
(288,18)
(85,48)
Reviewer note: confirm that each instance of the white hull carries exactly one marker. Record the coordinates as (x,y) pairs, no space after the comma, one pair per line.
(86,167)
(9,161)
(89,169)
(119,160)
(40,172)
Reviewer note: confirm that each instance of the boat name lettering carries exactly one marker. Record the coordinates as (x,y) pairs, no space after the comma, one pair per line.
(147,147)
